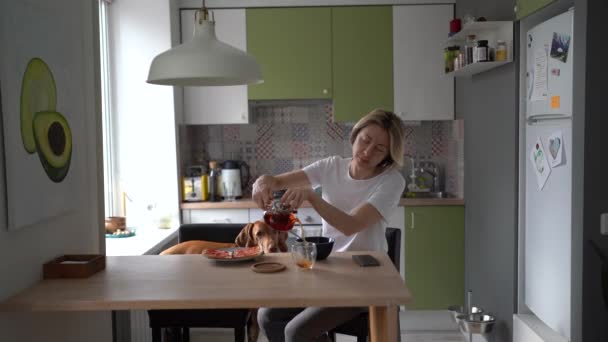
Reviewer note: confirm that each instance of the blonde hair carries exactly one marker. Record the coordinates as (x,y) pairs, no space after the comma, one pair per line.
(393,126)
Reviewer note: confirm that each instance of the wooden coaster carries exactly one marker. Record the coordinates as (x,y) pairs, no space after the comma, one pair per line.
(267,267)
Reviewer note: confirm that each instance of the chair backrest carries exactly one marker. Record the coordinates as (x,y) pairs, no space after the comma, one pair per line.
(217,232)
(393,237)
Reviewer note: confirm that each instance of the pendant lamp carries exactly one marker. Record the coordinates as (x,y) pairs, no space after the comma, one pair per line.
(204,60)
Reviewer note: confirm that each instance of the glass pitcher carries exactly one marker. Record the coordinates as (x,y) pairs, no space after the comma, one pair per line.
(280,216)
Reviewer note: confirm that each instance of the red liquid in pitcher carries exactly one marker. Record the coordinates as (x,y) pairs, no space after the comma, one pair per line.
(280,221)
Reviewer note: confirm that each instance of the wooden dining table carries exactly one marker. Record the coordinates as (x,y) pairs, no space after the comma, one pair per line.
(195,282)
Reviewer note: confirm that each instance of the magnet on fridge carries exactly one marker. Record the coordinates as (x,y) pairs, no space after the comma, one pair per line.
(539,163)
(555,72)
(556,149)
(555,102)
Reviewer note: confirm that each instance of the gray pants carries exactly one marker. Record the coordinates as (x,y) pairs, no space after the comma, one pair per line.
(303,324)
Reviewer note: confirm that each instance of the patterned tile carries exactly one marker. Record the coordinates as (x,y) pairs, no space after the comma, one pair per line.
(282,165)
(231,133)
(264,145)
(284,137)
(247,132)
(216,133)
(318,149)
(438,139)
(299,114)
(247,150)
(300,132)
(300,150)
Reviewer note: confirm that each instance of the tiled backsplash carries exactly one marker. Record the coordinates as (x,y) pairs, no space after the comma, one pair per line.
(284,137)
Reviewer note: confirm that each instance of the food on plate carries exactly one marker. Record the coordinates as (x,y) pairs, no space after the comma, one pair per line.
(234,253)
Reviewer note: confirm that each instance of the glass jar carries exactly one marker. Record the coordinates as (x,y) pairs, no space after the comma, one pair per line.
(501,51)
(469,47)
(481,51)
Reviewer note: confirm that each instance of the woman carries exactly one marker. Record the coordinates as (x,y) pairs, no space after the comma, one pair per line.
(359,195)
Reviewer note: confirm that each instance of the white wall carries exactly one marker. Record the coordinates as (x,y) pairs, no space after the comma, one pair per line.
(144,122)
(23,252)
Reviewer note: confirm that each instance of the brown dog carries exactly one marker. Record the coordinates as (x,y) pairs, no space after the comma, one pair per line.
(253,234)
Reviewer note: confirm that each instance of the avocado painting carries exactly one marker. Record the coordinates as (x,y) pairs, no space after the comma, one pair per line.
(43,129)
(50,111)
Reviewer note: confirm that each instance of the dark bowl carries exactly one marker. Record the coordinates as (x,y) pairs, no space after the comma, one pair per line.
(324,245)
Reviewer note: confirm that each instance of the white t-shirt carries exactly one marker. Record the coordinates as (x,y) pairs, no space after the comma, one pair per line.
(345,193)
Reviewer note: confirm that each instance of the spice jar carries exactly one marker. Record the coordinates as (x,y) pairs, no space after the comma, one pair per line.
(450,53)
(481,51)
(501,50)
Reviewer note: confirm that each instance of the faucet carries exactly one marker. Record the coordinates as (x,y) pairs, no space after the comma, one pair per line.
(432,169)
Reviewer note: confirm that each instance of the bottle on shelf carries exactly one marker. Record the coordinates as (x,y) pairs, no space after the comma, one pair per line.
(501,51)
(481,52)
(214,173)
(469,47)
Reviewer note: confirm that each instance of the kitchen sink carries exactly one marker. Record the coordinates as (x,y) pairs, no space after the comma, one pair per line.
(439,194)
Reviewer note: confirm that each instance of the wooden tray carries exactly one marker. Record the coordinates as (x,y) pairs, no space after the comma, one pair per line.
(74,266)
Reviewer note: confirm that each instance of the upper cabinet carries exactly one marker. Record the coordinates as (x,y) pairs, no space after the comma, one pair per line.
(362,60)
(293,48)
(221,104)
(421,91)
(523,8)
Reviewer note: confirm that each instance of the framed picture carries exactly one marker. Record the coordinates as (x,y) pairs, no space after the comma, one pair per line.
(44,96)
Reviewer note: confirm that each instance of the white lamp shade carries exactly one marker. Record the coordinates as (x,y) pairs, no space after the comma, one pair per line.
(204,61)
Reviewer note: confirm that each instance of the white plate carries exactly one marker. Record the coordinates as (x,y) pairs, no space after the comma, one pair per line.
(233,249)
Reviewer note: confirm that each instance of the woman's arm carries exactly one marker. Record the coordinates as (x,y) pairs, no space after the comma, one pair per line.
(347,223)
(266,184)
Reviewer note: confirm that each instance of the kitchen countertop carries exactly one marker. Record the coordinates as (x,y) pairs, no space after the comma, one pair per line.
(247,203)
(145,241)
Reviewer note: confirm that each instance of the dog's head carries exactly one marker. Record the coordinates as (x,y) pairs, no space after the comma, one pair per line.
(262,235)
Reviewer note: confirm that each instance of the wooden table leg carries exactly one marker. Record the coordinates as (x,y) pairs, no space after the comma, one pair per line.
(383,323)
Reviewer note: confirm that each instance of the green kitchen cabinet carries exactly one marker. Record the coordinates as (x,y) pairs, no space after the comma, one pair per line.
(362,60)
(293,48)
(434,256)
(524,8)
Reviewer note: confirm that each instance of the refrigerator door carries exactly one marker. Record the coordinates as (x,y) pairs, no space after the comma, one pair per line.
(549,53)
(548,229)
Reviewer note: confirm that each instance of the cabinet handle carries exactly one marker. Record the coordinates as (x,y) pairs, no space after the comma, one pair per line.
(226,220)
(325,91)
(412,226)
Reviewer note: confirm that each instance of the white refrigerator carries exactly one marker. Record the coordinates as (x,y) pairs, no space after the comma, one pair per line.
(548,171)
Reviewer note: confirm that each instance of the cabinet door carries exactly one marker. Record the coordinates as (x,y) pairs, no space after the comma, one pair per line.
(434,256)
(362,60)
(421,91)
(524,8)
(222,104)
(216,216)
(293,48)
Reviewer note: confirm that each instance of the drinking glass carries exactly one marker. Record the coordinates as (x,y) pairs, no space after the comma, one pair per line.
(229,191)
(304,254)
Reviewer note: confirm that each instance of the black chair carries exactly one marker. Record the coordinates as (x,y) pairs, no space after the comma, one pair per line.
(181,320)
(359,326)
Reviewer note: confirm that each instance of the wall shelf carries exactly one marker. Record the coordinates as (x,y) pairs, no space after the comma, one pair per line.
(476,68)
(492,31)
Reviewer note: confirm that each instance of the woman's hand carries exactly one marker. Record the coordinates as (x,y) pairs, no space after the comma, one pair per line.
(262,191)
(294,197)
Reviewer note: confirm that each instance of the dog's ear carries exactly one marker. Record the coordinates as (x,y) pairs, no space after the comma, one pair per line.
(283,241)
(245,237)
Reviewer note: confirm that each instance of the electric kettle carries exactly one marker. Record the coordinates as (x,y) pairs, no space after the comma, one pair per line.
(235,175)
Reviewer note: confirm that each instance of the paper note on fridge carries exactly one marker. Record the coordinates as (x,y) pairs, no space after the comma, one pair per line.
(539,163)
(556,149)
(539,87)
